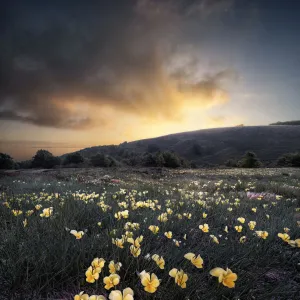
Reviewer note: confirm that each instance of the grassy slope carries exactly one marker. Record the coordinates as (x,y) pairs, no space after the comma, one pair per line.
(221,144)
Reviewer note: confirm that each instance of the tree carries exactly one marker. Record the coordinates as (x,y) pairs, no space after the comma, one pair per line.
(6,161)
(73,158)
(100,160)
(249,160)
(44,159)
(289,160)
(171,159)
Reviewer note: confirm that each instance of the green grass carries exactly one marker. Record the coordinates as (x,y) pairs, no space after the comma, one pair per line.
(44,261)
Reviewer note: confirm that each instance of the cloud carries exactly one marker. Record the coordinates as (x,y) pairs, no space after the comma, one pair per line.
(116,55)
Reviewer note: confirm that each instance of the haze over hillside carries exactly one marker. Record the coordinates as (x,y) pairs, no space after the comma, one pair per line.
(215,146)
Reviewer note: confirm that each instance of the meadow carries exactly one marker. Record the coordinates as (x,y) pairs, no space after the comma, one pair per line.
(148,234)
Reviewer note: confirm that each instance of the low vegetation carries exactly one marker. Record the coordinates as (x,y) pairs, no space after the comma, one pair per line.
(220,234)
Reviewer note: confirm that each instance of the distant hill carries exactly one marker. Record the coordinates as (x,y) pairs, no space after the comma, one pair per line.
(287,123)
(213,146)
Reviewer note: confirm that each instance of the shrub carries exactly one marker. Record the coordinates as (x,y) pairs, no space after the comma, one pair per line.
(231,163)
(6,161)
(289,160)
(44,159)
(73,158)
(100,160)
(249,160)
(172,160)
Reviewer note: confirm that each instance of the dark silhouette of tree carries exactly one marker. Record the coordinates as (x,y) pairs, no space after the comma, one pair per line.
(44,159)
(6,161)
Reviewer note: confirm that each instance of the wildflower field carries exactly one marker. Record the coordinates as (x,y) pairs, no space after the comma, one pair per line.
(185,234)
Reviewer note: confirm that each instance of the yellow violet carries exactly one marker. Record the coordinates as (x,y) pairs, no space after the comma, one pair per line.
(16,212)
(262,234)
(243,239)
(154,229)
(47,212)
(197,261)
(135,251)
(284,236)
(241,220)
(214,238)
(180,277)
(150,282)
(111,281)
(204,215)
(114,267)
(81,296)
(294,243)
(118,295)
(227,278)
(204,228)
(91,275)
(252,225)
(238,228)
(98,264)
(159,261)
(77,234)
(168,234)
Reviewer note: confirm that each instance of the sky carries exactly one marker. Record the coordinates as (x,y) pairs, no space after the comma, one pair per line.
(76,74)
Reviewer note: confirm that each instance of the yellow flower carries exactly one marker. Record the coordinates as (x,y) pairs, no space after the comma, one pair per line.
(114,267)
(150,283)
(184,237)
(99,224)
(111,281)
(226,229)
(97,297)
(204,215)
(241,220)
(16,212)
(226,277)
(268,216)
(204,228)
(91,275)
(38,206)
(180,277)
(77,234)
(286,230)
(163,217)
(29,213)
(119,242)
(118,295)
(243,239)
(136,242)
(229,208)
(25,223)
(262,234)
(214,238)
(168,234)
(81,296)
(159,261)
(135,251)
(252,225)
(238,228)
(284,236)
(177,243)
(254,209)
(47,212)
(122,214)
(154,229)
(295,243)
(98,264)
(197,261)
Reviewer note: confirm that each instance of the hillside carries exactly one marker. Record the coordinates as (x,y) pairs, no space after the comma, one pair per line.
(214,146)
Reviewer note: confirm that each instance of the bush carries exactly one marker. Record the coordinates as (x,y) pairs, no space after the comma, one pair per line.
(6,161)
(289,160)
(231,163)
(172,160)
(100,160)
(249,160)
(73,158)
(44,159)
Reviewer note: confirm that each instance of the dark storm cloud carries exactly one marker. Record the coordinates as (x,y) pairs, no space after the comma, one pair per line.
(56,56)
